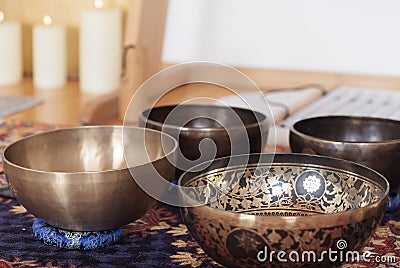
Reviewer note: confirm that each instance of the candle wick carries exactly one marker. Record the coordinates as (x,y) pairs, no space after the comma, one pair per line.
(47,20)
(98,3)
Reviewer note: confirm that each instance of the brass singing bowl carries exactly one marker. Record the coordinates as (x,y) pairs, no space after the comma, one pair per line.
(298,203)
(232,130)
(77,179)
(373,142)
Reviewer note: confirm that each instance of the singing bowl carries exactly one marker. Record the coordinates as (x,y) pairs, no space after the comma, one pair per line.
(232,130)
(77,178)
(373,142)
(297,203)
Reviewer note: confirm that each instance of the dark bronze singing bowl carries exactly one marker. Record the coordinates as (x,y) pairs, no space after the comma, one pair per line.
(232,130)
(298,203)
(77,179)
(373,142)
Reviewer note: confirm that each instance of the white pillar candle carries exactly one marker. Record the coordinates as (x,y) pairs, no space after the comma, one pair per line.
(100,50)
(10,52)
(49,55)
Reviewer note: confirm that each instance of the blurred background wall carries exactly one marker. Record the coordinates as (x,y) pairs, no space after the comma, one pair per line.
(352,36)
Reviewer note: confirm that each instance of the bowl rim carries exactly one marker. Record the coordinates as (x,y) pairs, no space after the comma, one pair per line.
(167,155)
(297,132)
(326,217)
(143,118)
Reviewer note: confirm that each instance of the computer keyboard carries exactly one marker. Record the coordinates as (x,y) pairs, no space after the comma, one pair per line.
(351,101)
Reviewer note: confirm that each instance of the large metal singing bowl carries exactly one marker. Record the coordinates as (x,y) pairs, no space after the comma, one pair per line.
(373,142)
(76,178)
(302,205)
(232,130)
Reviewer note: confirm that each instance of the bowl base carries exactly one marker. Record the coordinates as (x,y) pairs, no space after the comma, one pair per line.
(73,239)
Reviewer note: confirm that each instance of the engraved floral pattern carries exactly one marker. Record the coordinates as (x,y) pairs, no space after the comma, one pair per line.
(277,190)
(263,188)
(312,184)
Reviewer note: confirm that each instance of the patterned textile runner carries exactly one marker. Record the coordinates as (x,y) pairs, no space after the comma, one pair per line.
(158,239)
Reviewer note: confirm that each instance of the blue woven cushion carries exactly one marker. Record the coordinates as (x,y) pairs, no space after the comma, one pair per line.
(74,240)
(394,201)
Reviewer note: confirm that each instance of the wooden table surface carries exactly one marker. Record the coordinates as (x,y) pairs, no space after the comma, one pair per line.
(60,106)
(68,104)
(65,105)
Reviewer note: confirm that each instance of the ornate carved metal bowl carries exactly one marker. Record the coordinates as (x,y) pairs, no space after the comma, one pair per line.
(373,142)
(205,132)
(302,205)
(77,179)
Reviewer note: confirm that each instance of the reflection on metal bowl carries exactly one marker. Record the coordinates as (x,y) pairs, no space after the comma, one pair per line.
(244,214)
(373,142)
(76,178)
(206,132)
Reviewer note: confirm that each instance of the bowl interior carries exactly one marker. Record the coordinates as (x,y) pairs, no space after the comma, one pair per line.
(86,149)
(284,189)
(349,129)
(203,116)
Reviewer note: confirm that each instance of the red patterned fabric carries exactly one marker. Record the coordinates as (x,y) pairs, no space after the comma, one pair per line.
(158,239)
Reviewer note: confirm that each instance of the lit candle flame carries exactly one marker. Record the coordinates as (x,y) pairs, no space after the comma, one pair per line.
(98,3)
(1,16)
(47,20)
